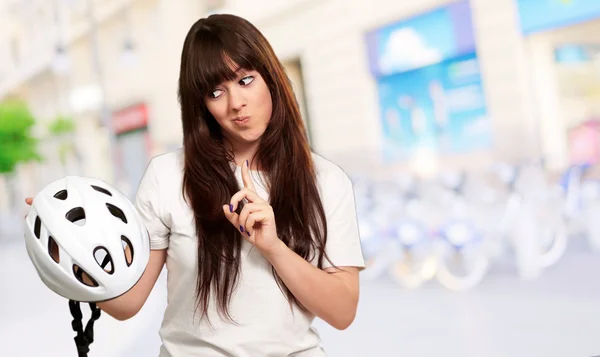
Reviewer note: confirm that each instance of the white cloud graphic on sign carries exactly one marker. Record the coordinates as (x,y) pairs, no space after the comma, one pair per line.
(405,49)
(478,127)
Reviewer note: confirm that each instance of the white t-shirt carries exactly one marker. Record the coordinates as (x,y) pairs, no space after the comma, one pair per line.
(266,326)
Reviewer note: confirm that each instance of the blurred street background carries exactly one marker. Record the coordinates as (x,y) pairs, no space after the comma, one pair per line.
(470,128)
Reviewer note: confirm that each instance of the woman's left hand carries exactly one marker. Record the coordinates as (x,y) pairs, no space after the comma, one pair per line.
(256,221)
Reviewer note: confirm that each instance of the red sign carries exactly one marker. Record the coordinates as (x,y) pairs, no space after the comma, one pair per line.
(130,118)
(584,143)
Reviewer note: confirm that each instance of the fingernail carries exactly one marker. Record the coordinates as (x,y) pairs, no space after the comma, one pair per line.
(247,165)
(248,233)
(230,208)
(242,229)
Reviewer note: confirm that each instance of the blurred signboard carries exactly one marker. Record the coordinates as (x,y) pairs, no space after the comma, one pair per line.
(573,54)
(584,143)
(540,15)
(133,146)
(131,118)
(431,96)
(421,41)
(438,108)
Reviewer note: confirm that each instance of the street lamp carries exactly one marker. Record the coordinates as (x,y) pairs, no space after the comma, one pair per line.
(95,96)
(61,63)
(128,56)
(105,114)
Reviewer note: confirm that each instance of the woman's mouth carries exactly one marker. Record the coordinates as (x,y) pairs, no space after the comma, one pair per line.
(242,120)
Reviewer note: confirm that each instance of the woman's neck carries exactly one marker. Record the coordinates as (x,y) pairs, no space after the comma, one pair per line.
(243,152)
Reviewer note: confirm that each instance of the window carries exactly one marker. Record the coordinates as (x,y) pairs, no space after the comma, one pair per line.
(15,51)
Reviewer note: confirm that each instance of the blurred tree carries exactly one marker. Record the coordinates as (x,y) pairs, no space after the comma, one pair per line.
(63,129)
(17,144)
(61,125)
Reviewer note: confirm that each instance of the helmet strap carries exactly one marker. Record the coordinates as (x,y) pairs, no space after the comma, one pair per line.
(84,338)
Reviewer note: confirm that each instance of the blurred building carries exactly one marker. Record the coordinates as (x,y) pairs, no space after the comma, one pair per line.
(110,65)
(431,84)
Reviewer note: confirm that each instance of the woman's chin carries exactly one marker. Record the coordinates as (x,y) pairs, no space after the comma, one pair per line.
(249,138)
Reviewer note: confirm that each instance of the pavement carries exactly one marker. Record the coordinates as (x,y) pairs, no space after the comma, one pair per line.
(555,315)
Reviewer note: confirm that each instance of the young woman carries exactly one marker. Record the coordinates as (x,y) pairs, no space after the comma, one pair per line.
(259,235)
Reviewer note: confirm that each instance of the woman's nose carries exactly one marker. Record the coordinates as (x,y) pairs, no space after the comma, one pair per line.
(237,100)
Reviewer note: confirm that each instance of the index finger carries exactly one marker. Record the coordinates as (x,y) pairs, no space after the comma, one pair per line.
(246,177)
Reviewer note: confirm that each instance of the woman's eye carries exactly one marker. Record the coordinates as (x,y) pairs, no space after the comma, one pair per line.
(216,93)
(247,80)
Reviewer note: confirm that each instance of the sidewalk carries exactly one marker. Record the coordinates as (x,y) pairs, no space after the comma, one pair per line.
(30,312)
(556,315)
(11,227)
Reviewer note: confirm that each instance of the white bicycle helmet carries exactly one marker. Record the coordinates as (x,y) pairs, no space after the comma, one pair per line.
(86,240)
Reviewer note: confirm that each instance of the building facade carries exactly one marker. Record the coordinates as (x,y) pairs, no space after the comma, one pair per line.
(118,80)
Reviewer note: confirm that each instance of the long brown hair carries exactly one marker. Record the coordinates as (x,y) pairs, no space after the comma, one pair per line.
(284,156)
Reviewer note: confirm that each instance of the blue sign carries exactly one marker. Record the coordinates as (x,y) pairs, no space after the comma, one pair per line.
(574,54)
(422,41)
(539,15)
(439,108)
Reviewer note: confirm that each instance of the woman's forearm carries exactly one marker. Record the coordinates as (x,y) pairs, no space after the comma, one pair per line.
(330,296)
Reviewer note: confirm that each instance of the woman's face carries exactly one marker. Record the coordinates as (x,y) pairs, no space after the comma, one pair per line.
(242,107)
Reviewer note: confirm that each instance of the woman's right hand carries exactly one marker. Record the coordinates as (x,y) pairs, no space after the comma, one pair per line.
(29,201)
(130,303)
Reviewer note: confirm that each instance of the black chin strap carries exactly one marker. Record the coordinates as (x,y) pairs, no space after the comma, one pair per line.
(83,338)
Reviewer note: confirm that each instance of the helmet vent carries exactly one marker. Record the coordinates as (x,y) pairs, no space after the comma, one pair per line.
(104,260)
(84,277)
(37,227)
(77,216)
(103,190)
(53,250)
(61,195)
(117,212)
(127,249)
